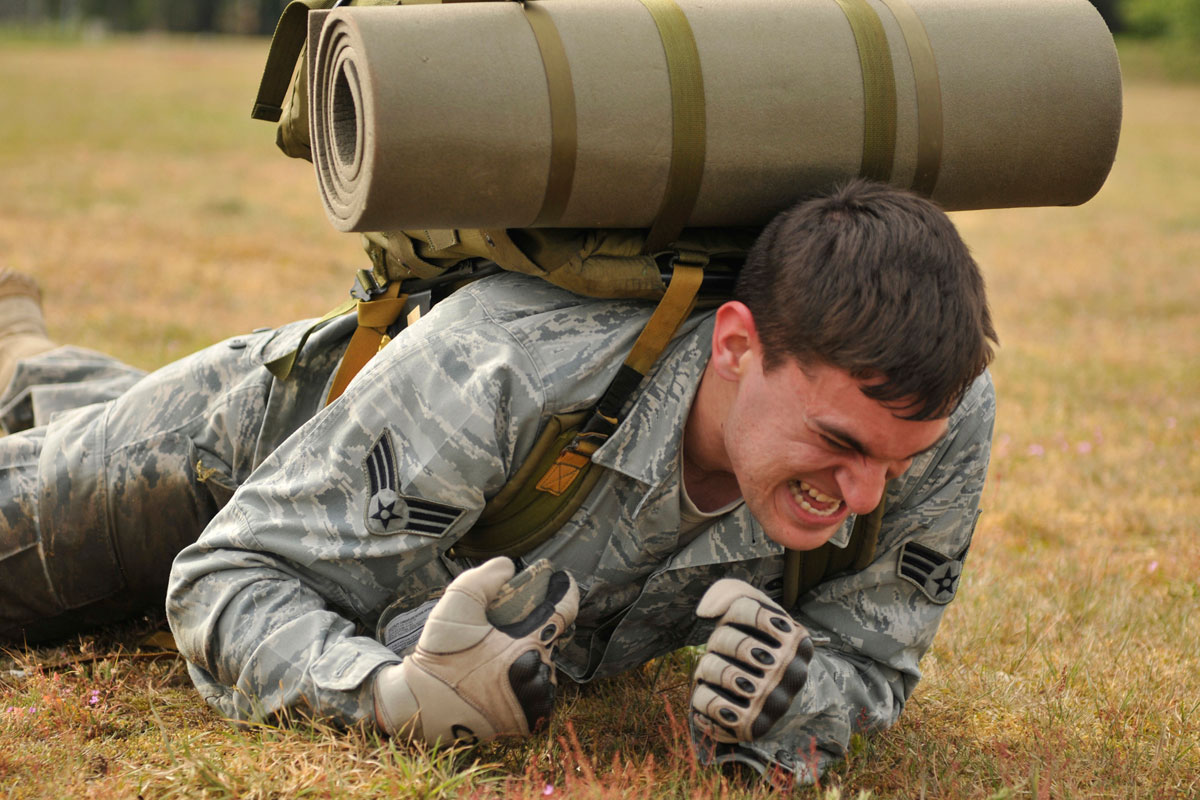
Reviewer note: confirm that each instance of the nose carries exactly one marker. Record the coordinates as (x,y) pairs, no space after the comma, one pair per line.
(861,483)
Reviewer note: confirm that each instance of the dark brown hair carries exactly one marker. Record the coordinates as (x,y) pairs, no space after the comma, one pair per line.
(875,281)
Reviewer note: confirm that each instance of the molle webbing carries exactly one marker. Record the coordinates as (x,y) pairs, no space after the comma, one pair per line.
(520,517)
(670,312)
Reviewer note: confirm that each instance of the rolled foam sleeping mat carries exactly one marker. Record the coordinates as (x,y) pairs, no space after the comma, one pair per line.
(621,113)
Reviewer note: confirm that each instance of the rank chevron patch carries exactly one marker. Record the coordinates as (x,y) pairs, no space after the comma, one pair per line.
(930,571)
(388,511)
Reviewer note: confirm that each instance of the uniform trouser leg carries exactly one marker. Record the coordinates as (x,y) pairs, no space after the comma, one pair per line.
(95,504)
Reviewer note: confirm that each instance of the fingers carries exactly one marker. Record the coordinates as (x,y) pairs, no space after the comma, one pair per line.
(721,595)
(753,653)
(487,579)
(716,715)
(459,620)
(757,661)
(750,612)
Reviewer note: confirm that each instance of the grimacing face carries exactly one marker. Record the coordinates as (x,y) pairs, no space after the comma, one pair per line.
(805,446)
(808,448)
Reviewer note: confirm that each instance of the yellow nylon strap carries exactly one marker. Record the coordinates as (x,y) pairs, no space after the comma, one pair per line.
(879,90)
(929,95)
(688,132)
(674,307)
(374,318)
(564,139)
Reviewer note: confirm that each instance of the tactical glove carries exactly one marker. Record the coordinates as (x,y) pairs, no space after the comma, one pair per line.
(472,680)
(757,661)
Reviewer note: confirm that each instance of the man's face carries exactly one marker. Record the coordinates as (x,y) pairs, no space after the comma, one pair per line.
(807,447)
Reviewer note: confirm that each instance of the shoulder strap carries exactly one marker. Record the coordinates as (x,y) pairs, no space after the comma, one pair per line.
(803,570)
(558,474)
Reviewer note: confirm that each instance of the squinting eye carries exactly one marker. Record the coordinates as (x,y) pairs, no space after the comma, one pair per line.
(834,444)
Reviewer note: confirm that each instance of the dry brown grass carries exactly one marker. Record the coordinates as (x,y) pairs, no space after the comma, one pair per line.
(160,218)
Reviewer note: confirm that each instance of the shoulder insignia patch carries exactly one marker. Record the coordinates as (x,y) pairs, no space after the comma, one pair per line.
(389,512)
(930,571)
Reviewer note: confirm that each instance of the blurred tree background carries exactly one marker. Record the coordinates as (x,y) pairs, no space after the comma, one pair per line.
(182,16)
(1175,19)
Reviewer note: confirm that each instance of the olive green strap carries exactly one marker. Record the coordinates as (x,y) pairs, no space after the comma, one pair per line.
(281,367)
(688,134)
(575,459)
(290,33)
(518,517)
(564,141)
(929,95)
(803,570)
(879,90)
(558,474)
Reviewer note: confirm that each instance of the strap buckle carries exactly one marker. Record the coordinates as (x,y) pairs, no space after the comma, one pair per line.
(366,286)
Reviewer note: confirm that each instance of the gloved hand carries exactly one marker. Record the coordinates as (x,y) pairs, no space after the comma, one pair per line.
(469,679)
(757,661)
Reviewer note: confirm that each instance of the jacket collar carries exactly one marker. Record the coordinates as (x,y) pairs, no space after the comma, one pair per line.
(646,444)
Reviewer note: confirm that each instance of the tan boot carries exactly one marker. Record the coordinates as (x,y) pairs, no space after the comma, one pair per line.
(22,327)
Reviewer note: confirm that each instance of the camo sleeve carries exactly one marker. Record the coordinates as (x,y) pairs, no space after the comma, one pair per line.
(879,622)
(273,606)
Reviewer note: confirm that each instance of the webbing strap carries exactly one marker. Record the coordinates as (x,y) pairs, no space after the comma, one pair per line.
(281,367)
(374,318)
(575,459)
(673,309)
(879,90)
(564,141)
(688,134)
(803,570)
(929,95)
(290,33)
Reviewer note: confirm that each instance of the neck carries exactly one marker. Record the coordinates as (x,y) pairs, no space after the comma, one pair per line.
(707,475)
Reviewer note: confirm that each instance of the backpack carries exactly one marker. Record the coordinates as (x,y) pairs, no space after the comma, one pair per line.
(411,270)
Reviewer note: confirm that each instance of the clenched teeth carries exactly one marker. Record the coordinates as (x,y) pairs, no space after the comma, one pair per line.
(802,492)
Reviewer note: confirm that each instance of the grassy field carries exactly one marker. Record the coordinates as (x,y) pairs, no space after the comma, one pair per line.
(160,218)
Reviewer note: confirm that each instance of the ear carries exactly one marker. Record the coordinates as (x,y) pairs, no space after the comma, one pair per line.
(734,341)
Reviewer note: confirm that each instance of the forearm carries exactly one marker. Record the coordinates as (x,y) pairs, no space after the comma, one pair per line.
(260,635)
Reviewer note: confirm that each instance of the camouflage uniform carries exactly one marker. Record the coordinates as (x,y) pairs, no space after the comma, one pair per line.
(275,604)
(107,473)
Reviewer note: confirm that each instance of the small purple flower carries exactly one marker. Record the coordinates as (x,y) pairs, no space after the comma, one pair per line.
(1037,450)
(1084,447)
(549,790)
(94,698)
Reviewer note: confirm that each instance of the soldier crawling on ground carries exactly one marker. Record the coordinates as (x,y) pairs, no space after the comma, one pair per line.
(846,379)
